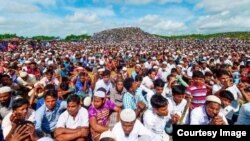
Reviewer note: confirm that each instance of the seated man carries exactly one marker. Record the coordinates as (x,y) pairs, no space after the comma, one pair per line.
(99,113)
(72,124)
(156,118)
(208,114)
(129,128)
(47,115)
(20,111)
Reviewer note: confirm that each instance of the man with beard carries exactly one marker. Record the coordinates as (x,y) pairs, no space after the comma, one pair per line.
(6,100)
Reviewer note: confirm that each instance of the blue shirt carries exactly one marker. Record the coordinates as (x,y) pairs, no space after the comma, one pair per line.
(45,119)
(130,101)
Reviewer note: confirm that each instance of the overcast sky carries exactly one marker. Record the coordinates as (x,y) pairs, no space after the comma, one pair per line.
(165,17)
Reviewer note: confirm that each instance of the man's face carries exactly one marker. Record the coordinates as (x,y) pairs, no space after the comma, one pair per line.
(198,80)
(119,86)
(73,108)
(98,102)
(158,90)
(213,109)
(178,98)
(22,111)
(127,127)
(50,102)
(152,75)
(224,79)
(162,111)
(6,81)
(106,78)
(4,98)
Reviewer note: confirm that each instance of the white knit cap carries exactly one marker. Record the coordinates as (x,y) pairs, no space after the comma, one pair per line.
(23,74)
(87,101)
(128,115)
(5,89)
(107,134)
(213,98)
(99,94)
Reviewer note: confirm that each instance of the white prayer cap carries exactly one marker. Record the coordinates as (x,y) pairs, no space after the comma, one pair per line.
(5,89)
(27,62)
(213,98)
(23,74)
(165,63)
(107,134)
(155,67)
(80,68)
(124,69)
(138,65)
(128,115)
(101,62)
(99,94)
(154,58)
(49,53)
(101,70)
(87,101)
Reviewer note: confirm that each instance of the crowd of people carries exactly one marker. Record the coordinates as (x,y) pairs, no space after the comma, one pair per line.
(110,91)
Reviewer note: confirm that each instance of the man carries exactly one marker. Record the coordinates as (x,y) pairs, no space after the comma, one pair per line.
(47,115)
(226,84)
(83,84)
(105,82)
(129,128)
(156,118)
(99,114)
(208,114)
(6,101)
(72,124)
(197,90)
(148,80)
(244,115)
(130,100)
(26,80)
(20,111)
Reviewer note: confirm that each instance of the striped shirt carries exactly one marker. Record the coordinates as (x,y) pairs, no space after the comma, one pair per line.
(198,93)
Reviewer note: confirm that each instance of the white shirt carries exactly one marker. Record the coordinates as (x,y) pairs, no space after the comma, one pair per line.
(177,109)
(234,90)
(67,121)
(156,125)
(147,81)
(199,116)
(228,112)
(7,125)
(106,86)
(138,130)
(31,79)
(163,73)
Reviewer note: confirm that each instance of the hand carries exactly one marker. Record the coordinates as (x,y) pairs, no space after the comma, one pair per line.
(14,117)
(217,120)
(175,118)
(141,105)
(20,133)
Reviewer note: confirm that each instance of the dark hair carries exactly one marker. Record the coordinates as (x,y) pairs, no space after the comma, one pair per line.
(222,72)
(73,98)
(51,92)
(178,90)
(102,89)
(107,139)
(159,83)
(170,75)
(64,86)
(18,103)
(207,73)
(150,71)
(174,70)
(227,94)
(5,75)
(128,83)
(158,101)
(106,73)
(198,74)
(138,78)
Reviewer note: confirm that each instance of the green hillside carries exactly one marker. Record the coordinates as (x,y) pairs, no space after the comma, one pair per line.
(233,35)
